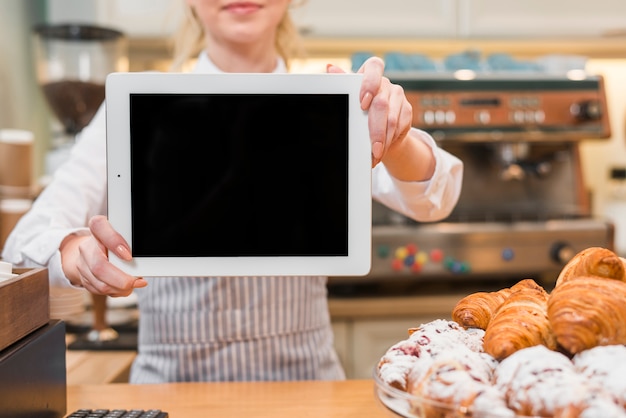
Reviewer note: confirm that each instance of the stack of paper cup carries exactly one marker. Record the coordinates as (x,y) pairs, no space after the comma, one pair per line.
(16,163)
(6,271)
(11,210)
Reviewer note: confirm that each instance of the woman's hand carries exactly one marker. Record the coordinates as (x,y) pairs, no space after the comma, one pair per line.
(389,112)
(86,263)
(406,156)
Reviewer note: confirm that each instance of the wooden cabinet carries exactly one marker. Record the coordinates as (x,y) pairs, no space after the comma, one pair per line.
(461,18)
(343,343)
(373,18)
(539,18)
(152,18)
(361,343)
(346,18)
(366,328)
(372,338)
(136,18)
(423,19)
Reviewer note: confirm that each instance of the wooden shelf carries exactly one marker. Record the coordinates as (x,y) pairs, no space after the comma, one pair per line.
(156,52)
(613,47)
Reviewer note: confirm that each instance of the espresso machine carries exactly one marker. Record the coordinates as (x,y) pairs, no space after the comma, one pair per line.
(524,209)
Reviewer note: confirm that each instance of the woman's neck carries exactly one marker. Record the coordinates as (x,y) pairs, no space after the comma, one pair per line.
(243,59)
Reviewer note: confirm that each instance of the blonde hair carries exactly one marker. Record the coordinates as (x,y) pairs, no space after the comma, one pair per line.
(190,38)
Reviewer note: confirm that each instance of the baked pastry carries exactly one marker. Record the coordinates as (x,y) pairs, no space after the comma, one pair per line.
(441,335)
(490,403)
(459,381)
(537,381)
(425,343)
(598,403)
(605,366)
(594,261)
(585,312)
(393,368)
(477,309)
(446,372)
(521,321)
(525,376)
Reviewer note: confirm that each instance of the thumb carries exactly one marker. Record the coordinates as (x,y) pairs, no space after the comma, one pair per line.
(331,68)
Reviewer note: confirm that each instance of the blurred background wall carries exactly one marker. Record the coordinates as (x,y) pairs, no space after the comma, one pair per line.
(21,102)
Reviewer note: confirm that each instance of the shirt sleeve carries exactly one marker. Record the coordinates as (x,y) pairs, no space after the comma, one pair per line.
(76,193)
(425,201)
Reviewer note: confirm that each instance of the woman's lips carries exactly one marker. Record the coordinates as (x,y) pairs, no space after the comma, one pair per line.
(242,7)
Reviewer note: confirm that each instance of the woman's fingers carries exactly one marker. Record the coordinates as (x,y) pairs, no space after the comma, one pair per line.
(389,112)
(97,273)
(372,69)
(109,237)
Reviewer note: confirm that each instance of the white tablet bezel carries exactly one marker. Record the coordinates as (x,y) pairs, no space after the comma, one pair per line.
(119,87)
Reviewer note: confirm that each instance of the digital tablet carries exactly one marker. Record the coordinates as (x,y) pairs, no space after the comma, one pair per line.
(239,174)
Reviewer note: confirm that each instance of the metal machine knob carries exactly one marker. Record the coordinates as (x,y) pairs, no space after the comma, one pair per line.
(562,252)
(586,110)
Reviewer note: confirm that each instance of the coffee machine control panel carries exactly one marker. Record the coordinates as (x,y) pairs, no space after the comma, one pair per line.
(499,108)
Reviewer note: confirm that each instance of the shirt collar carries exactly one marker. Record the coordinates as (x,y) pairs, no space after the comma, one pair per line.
(205,65)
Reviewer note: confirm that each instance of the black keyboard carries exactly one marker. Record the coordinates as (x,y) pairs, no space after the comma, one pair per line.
(118,413)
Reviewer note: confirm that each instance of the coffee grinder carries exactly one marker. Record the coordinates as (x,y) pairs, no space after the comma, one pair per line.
(73,61)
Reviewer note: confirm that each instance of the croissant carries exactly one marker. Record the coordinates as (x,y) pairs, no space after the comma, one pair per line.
(588,311)
(594,261)
(477,309)
(521,322)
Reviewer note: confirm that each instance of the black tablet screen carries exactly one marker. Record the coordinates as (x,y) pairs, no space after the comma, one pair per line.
(239,174)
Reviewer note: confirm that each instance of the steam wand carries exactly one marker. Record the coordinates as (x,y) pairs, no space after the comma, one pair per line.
(513,155)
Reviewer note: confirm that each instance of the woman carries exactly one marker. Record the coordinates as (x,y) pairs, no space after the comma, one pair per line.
(242,328)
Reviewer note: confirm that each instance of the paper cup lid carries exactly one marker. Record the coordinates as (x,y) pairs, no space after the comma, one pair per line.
(6,271)
(15,205)
(16,136)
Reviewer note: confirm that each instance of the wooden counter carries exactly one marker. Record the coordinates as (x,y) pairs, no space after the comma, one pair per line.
(328,399)
(93,367)
(97,366)
(390,307)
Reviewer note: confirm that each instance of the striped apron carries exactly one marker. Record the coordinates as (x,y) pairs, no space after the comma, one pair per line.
(234,329)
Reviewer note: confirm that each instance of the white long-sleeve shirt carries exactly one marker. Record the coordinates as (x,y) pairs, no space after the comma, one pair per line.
(214,328)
